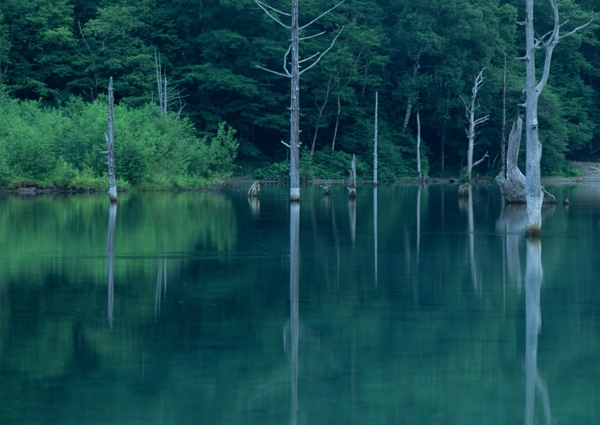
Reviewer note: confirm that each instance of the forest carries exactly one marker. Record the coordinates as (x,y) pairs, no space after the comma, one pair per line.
(195,103)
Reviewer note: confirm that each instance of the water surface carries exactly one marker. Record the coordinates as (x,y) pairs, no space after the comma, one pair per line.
(407,306)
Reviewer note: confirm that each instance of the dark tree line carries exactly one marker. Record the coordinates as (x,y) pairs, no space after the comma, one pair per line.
(420,57)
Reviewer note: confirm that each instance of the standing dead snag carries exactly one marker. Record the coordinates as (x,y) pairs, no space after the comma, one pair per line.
(292,71)
(352,179)
(512,185)
(375,145)
(547,42)
(110,140)
(473,123)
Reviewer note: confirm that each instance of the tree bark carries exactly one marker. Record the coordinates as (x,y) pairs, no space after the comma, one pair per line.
(533,188)
(352,179)
(473,123)
(375,145)
(110,140)
(419,146)
(294,74)
(513,184)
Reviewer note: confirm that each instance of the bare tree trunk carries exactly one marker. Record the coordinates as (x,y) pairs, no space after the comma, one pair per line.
(413,96)
(321,109)
(473,123)
(337,122)
(110,140)
(503,169)
(512,186)
(533,188)
(375,145)
(352,179)
(419,146)
(295,108)
(294,74)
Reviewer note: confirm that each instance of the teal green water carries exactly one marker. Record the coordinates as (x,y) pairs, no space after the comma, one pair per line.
(207,308)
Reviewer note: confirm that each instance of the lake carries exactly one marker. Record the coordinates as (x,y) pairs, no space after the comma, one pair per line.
(406,306)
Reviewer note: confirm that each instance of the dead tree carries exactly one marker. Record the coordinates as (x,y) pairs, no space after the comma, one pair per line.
(512,184)
(167,95)
(419,146)
(473,123)
(533,89)
(291,68)
(375,145)
(110,140)
(352,179)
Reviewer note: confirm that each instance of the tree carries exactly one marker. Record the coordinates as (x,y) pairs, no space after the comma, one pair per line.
(473,123)
(292,71)
(110,140)
(547,42)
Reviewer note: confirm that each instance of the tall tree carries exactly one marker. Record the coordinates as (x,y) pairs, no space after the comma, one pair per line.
(533,88)
(292,71)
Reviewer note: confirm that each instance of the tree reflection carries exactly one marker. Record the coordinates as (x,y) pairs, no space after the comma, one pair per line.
(161,286)
(352,217)
(294,313)
(512,222)
(533,284)
(375,228)
(466,202)
(110,248)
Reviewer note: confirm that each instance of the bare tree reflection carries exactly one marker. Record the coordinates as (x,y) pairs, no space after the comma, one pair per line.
(533,284)
(466,203)
(475,275)
(352,216)
(375,228)
(254,203)
(294,312)
(110,248)
(161,286)
(512,222)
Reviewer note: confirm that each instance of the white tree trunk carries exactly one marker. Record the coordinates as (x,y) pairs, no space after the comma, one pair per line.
(110,140)
(473,123)
(352,179)
(294,74)
(419,145)
(375,145)
(533,188)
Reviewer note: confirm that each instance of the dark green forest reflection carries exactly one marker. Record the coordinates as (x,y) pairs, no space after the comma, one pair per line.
(405,306)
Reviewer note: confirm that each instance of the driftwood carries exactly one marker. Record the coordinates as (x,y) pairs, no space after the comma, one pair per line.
(512,185)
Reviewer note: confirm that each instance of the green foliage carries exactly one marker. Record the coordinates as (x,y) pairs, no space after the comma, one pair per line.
(63,147)
(414,53)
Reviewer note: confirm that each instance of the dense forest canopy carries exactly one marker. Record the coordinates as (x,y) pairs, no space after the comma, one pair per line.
(418,55)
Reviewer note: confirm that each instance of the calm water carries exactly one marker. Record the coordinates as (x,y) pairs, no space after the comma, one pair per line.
(405,307)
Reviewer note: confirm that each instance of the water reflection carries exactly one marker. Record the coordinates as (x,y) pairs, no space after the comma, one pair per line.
(533,381)
(110,255)
(161,286)
(512,222)
(352,217)
(254,203)
(465,203)
(294,312)
(375,228)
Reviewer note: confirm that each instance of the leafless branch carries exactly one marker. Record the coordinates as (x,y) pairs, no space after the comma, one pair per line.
(265,7)
(320,16)
(481,160)
(323,54)
(311,36)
